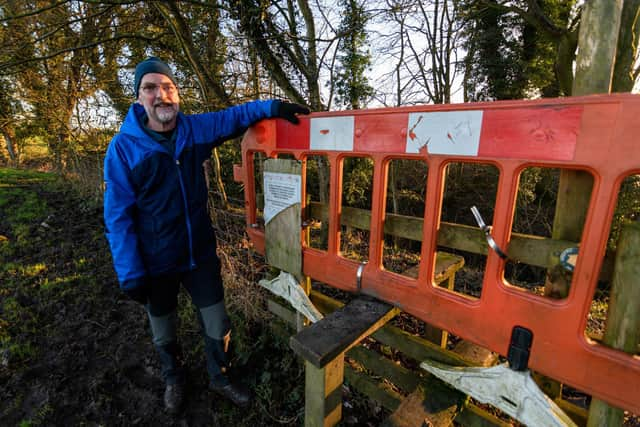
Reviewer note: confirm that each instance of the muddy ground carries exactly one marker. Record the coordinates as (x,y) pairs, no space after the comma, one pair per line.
(75,351)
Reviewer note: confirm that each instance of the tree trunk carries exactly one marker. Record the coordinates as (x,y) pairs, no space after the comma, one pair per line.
(393,191)
(600,26)
(565,56)
(625,73)
(217,173)
(13,156)
(623,319)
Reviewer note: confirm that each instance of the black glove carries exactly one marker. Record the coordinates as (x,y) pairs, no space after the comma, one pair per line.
(288,111)
(137,290)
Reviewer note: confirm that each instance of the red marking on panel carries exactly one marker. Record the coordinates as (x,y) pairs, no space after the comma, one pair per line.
(542,133)
(450,137)
(381,133)
(324,131)
(290,136)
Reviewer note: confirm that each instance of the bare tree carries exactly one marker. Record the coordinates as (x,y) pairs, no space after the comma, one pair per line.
(627,67)
(423,41)
(283,35)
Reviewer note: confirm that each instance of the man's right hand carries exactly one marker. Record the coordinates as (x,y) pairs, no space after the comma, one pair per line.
(289,111)
(137,290)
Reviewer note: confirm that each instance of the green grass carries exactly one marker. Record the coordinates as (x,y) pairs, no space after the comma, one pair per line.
(15,317)
(10,177)
(21,207)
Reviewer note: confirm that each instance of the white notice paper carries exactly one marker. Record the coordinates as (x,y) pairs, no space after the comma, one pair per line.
(281,190)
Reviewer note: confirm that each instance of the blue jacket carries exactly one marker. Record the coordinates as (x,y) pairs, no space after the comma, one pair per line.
(155,202)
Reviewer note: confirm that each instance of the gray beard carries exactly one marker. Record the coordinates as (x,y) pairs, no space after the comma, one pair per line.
(165,117)
(161,115)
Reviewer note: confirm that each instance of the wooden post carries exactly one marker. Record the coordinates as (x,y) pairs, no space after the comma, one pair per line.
(597,46)
(623,75)
(283,232)
(323,393)
(574,193)
(622,330)
(599,28)
(283,243)
(444,275)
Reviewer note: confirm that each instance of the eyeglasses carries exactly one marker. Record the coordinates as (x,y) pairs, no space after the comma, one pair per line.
(152,88)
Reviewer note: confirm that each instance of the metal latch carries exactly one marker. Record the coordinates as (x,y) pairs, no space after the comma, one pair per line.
(487,232)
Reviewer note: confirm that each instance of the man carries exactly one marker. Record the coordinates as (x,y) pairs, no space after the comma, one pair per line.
(155,208)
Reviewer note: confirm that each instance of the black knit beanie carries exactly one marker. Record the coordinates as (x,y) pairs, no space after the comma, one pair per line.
(151,65)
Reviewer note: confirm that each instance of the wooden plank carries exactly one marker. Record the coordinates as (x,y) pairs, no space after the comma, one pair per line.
(425,406)
(407,380)
(598,337)
(462,237)
(325,340)
(528,249)
(445,270)
(381,366)
(549,386)
(357,218)
(414,347)
(388,398)
(479,356)
(283,245)
(446,266)
(474,416)
(578,414)
(284,313)
(285,251)
(324,303)
(622,330)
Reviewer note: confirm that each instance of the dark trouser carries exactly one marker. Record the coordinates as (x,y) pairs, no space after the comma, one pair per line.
(204,285)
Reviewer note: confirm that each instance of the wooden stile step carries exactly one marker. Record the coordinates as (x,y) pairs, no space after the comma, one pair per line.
(323,341)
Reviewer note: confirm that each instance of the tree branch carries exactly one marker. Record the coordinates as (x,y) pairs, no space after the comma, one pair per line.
(7,65)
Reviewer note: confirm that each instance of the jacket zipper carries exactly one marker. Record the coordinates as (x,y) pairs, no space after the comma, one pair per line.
(186,214)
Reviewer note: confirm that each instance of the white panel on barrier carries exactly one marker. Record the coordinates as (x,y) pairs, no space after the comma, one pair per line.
(332,133)
(445,132)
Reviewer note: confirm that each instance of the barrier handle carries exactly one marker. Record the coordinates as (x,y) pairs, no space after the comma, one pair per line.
(359,273)
(487,232)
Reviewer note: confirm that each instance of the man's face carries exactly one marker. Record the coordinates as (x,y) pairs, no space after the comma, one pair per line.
(159,97)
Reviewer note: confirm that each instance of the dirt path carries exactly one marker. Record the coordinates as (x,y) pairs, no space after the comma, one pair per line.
(75,351)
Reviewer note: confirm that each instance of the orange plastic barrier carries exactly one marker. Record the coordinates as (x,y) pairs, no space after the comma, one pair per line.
(598,134)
